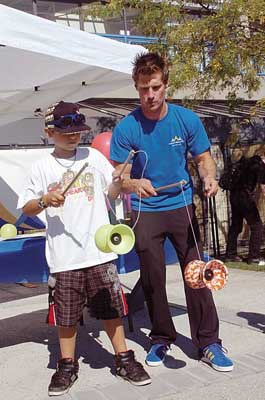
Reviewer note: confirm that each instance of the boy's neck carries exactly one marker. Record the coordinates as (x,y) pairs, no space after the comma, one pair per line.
(61,153)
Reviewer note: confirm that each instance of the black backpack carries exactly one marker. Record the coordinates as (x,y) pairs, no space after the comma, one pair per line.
(230,178)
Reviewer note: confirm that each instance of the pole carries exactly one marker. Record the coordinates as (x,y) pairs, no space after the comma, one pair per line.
(212,226)
(216,227)
(81,17)
(34,6)
(125,25)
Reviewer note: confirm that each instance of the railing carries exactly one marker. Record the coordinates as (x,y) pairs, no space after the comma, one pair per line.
(132,39)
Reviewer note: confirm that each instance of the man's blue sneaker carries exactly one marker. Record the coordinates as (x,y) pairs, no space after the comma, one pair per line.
(214,354)
(156,354)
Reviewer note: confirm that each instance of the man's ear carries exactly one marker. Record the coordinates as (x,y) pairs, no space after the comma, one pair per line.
(48,132)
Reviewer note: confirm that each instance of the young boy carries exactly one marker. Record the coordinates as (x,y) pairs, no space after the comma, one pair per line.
(83,274)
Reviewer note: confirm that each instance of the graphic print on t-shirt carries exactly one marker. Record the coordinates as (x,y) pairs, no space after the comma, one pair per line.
(84,183)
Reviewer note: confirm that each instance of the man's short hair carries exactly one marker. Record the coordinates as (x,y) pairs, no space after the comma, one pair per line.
(149,63)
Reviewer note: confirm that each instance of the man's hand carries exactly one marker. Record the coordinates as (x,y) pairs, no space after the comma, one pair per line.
(207,171)
(210,186)
(143,188)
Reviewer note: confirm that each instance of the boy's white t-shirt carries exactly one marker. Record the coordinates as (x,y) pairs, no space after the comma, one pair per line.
(71,228)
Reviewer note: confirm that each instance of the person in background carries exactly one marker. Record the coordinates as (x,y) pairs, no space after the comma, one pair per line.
(244,207)
(83,275)
(162,135)
(262,189)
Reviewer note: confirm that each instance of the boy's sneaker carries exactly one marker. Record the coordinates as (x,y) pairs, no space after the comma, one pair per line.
(130,369)
(64,377)
(157,354)
(214,354)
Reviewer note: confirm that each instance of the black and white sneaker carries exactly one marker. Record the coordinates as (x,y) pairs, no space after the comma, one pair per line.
(131,370)
(257,261)
(64,377)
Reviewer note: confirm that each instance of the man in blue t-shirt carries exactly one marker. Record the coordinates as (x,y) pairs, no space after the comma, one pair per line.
(161,136)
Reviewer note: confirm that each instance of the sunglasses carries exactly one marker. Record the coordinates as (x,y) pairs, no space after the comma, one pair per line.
(69,120)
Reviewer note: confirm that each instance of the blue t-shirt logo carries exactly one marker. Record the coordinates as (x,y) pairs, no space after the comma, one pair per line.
(176,141)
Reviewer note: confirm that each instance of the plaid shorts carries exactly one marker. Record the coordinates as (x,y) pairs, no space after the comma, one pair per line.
(97,287)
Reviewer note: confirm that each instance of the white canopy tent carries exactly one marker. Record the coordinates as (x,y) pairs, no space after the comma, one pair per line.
(43,62)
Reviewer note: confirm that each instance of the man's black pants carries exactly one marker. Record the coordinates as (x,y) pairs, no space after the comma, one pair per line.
(151,232)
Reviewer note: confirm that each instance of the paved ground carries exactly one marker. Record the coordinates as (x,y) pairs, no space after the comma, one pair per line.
(17,291)
(29,349)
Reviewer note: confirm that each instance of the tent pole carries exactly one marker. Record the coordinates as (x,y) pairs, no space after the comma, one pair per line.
(34,6)
(125,25)
(81,17)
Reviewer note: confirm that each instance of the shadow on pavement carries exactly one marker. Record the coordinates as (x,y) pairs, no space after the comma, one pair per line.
(141,322)
(31,327)
(256,320)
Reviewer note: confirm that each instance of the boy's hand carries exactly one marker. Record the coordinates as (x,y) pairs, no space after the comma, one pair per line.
(116,185)
(54,199)
(117,178)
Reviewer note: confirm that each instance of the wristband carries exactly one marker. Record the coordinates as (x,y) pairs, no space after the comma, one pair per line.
(41,204)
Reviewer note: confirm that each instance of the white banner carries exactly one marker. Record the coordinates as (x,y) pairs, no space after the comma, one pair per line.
(15,166)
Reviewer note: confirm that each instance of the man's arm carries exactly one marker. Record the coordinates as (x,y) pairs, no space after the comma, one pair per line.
(207,171)
(142,187)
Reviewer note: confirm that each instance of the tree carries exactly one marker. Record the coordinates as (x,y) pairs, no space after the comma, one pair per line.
(210,45)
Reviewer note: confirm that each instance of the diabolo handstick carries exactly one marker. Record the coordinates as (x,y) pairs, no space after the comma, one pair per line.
(180,183)
(130,155)
(75,178)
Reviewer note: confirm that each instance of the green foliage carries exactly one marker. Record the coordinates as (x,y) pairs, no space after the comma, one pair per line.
(245,266)
(227,37)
